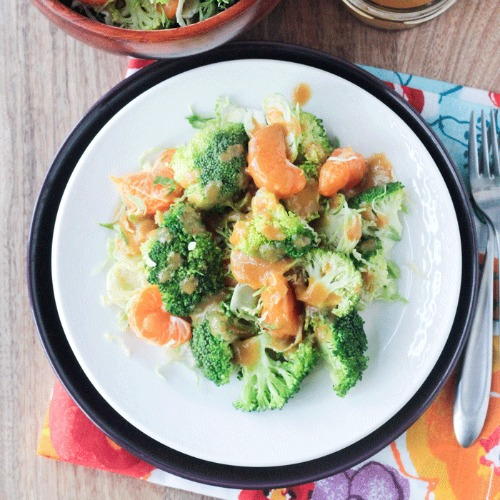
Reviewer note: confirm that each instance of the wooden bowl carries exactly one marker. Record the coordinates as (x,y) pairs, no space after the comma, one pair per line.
(158,44)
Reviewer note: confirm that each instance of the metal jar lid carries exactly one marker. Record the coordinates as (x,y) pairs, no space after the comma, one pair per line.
(393,18)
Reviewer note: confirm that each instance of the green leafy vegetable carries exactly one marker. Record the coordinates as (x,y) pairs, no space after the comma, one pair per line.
(165,181)
(197,121)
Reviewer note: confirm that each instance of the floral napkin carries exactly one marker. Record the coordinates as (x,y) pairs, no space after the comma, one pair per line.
(424,463)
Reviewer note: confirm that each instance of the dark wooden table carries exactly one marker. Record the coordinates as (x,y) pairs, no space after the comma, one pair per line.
(48,80)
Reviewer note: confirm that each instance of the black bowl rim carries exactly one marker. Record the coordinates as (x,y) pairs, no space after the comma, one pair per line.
(91,402)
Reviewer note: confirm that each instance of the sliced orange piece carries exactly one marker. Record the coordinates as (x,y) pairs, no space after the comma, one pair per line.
(344,169)
(170,8)
(253,271)
(268,165)
(164,160)
(279,307)
(150,321)
(147,192)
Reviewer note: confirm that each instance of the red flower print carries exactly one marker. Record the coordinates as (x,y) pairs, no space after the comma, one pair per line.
(495,98)
(76,439)
(300,492)
(415,97)
(491,445)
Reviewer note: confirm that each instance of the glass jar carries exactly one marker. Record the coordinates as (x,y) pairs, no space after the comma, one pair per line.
(397,14)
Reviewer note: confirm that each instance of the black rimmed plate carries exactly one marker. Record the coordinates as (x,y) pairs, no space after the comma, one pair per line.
(120,429)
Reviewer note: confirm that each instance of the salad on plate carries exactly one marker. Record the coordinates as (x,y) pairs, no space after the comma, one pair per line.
(253,247)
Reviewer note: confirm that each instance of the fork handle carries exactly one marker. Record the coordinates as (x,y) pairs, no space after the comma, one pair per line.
(473,390)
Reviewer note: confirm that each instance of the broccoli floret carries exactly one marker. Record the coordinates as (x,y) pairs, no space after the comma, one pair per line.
(376,193)
(212,354)
(183,260)
(332,282)
(315,145)
(213,333)
(272,232)
(380,207)
(343,345)
(311,170)
(340,227)
(274,377)
(379,274)
(211,167)
(379,278)
(367,247)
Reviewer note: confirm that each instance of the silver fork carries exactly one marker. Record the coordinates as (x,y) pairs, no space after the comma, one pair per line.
(473,390)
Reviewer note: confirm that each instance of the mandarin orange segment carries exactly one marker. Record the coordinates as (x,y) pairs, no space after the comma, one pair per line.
(170,8)
(279,308)
(344,169)
(253,271)
(150,321)
(268,165)
(147,192)
(164,160)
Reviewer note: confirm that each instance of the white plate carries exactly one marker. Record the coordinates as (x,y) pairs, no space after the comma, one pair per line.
(192,415)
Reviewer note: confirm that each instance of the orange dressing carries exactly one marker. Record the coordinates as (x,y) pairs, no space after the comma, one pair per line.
(301,94)
(379,171)
(306,203)
(368,279)
(273,233)
(263,202)
(382,220)
(268,165)
(239,231)
(246,352)
(354,231)
(317,295)
(231,152)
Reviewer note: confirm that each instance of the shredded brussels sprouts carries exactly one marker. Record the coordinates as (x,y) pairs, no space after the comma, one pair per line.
(151,14)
